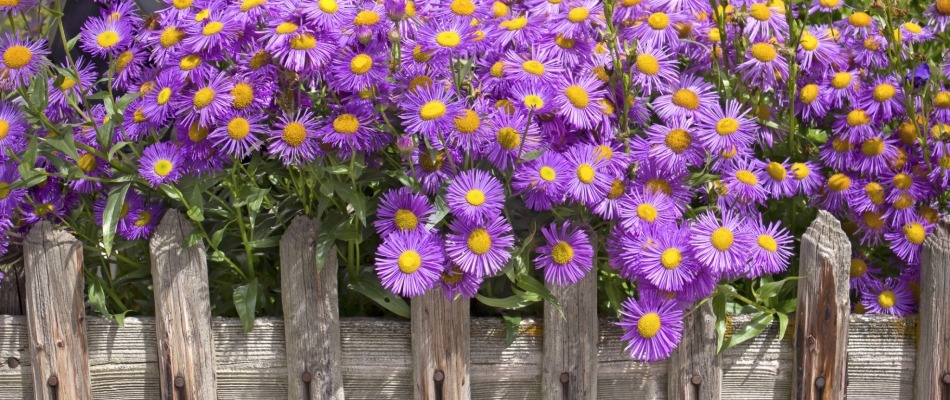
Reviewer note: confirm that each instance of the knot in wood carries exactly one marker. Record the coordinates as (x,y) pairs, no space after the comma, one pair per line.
(60,344)
(439,376)
(811,342)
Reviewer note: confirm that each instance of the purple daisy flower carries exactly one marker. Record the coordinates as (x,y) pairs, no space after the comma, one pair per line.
(329,14)
(525,28)
(217,32)
(820,51)
(292,139)
(470,131)
(129,66)
(159,103)
(480,248)
(350,128)
(772,249)
(659,29)
(610,206)
(813,102)
(445,37)
(653,326)
(765,22)
(456,282)
(724,129)
(837,153)
(883,100)
(13,129)
(143,221)
(18,6)
(355,70)
(838,190)
(402,210)
(643,210)
(764,66)
(589,181)
(844,87)
(667,260)
(858,25)
(672,145)
(542,181)
(579,19)
(824,6)
(654,69)
(45,205)
(568,255)
(871,226)
(303,50)
(69,87)
(908,241)
(722,246)
(410,263)
(875,154)
(475,196)
(776,179)
(10,198)
(514,136)
(861,272)
(912,32)
(743,182)
(429,111)
(104,37)
(135,125)
(670,183)
(161,163)
(239,136)
(577,99)
(872,53)
(208,102)
(532,97)
(368,25)
(131,205)
(890,296)
(432,167)
(686,98)
(21,60)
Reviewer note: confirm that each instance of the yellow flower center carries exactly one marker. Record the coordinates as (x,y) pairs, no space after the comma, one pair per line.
(303,41)
(202,15)
(931,215)
(841,80)
(405,220)
(144,219)
(508,138)
(366,18)
(197,133)
(562,253)
(475,197)
(361,64)
(721,239)
(763,52)
(294,134)
(800,170)
(600,73)
(479,241)
(647,212)
(419,82)
(585,173)
(647,64)
(886,299)
(462,7)
(577,96)
(533,67)
(904,202)
(42,209)
(212,28)
(448,39)
(776,171)
(809,42)
(839,182)
(430,165)
(533,101)
(346,124)
(182,4)
(875,192)
(943,7)
(410,9)
(616,189)
(873,220)
(760,12)
(328,6)
(163,96)
(568,43)
(68,83)
(468,122)
(768,243)
(608,106)
(547,173)
(903,181)
(858,117)
(163,168)
(942,99)
(454,277)
(107,39)
(500,9)
(671,258)
(808,93)
(828,3)
(497,69)
(286,27)
(170,37)
(657,184)
(858,268)
(189,62)
(138,117)
(884,92)
(658,21)
(841,146)
(872,147)
(238,128)
(678,140)
(727,126)
(648,325)
(912,27)
(871,44)
(17,57)
(4,190)
(686,98)
(247,5)
(87,163)
(243,95)
(409,261)
(578,14)
(260,59)
(746,177)
(123,60)
(203,98)
(514,24)
(859,19)
(432,110)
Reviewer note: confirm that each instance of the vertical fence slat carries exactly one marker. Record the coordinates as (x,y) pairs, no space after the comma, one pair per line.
(311,315)
(824,308)
(569,353)
(55,311)
(441,336)
(695,368)
(13,290)
(182,313)
(933,347)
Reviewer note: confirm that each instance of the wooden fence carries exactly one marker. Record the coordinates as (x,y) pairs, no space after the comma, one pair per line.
(56,352)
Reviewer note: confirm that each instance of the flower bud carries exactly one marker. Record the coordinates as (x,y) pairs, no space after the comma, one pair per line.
(405,144)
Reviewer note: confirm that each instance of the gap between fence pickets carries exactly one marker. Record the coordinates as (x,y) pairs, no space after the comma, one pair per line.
(366,367)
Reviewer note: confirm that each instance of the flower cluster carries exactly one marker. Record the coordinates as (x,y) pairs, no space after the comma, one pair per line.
(658,133)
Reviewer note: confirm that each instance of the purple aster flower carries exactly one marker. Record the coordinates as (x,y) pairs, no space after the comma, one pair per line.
(908,241)
(292,139)
(532,97)
(10,198)
(577,100)
(21,60)
(143,221)
(724,129)
(46,205)
(764,66)
(890,296)
(772,249)
(813,102)
(589,181)
(765,22)
(837,153)
(777,179)
(470,132)
(135,125)
(667,260)
(479,248)
(861,272)
(875,154)
(883,100)
(475,196)
(912,32)
(429,111)
(686,98)
(743,183)
(939,14)
(824,6)
(410,263)
(238,137)
(158,104)
(722,246)
(445,37)
(672,144)
(161,163)
(653,326)
(610,206)
(91,166)
(514,136)
(13,129)
(838,190)
(456,282)
(871,53)
(654,69)
(580,19)
(402,210)
(844,87)
(104,37)
(354,70)
(208,102)
(670,183)
(432,168)
(329,14)
(568,255)
(872,225)
(165,41)
(820,51)
(18,6)
(251,92)
(132,204)
(368,25)
(570,52)
(542,181)
(304,49)
(643,210)
(129,66)
(70,87)
(525,28)
(659,29)
(351,128)
(217,32)
(859,25)
(905,182)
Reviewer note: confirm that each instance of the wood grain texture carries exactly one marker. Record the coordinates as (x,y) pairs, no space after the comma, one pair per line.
(183,310)
(56,313)
(13,290)
(696,357)
(376,361)
(933,354)
(440,344)
(311,314)
(822,316)
(570,342)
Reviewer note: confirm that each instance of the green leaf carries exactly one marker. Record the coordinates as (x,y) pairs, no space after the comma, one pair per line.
(772,289)
(782,324)
(72,42)
(389,301)
(245,300)
(112,213)
(64,143)
(97,298)
(39,98)
(512,325)
(531,155)
(170,191)
(508,303)
(750,330)
(116,147)
(219,234)
(193,238)
(719,309)
(327,235)
(272,241)
(527,282)
(125,100)
(441,210)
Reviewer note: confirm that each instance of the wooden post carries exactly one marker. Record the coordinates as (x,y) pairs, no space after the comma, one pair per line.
(932,381)
(13,290)
(822,317)
(182,313)
(56,314)
(569,354)
(695,368)
(311,315)
(440,347)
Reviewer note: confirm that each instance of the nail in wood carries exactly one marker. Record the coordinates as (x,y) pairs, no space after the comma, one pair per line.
(565,384)
(439,378)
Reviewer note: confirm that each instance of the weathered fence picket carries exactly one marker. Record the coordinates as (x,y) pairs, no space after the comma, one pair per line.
(56,311)
(822,316)
(311,315)
(183,312)
(695,368)
(440,347)
(933,351)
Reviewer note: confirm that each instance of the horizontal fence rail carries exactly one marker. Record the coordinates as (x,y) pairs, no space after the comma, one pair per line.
(57,352)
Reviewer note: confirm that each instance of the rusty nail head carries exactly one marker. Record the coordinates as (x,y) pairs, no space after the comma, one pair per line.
(13,362)
(439,376)
(696,380)
(565,377)
(946,378)
(306,377)
(820,382)
(179,382)
(53,381)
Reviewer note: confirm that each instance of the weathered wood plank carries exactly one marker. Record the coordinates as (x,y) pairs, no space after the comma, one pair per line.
(821,329)
(186,366)
(440,347)
(311,315)
(933,353)
(56,313)
(376,361)
(569,358)
(695,371)
(13,290)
